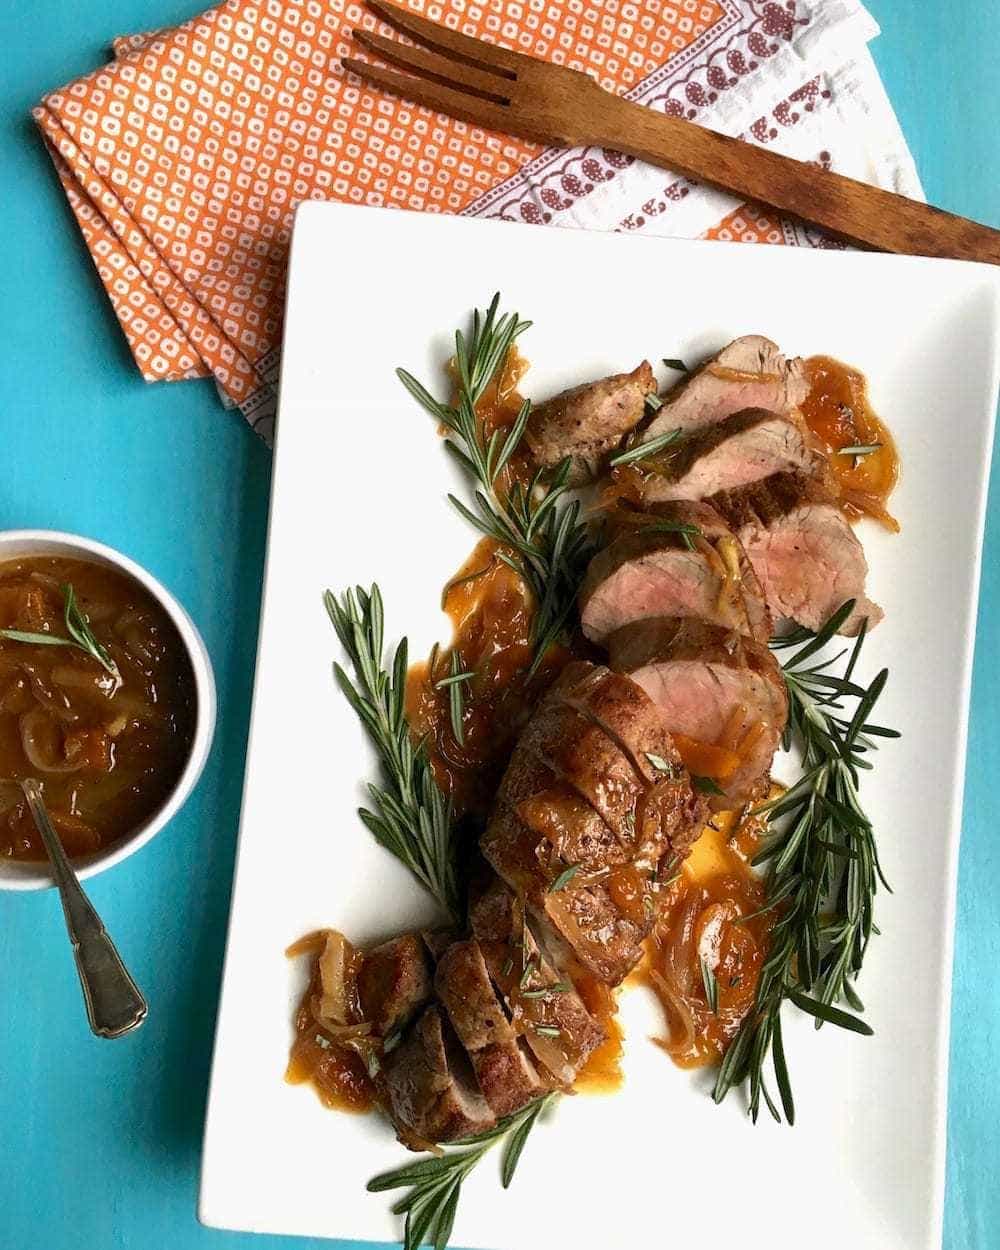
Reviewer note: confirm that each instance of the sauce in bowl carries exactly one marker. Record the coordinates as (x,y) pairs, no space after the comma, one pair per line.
(108,743)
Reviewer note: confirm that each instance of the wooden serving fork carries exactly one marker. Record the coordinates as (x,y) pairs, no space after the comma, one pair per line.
(518,94)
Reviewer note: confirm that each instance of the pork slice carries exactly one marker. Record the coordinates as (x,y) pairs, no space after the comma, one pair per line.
(428,1088)
(583,913)
(581,754)
(713,687)
(807,556)
(505,1073)
(744,448)
(604,940)
(650,570)
(750,372)
(667,816)
(394,983)
(569,1033)
(588,422)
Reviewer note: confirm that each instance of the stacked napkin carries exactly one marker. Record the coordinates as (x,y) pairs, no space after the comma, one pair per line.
(185,157)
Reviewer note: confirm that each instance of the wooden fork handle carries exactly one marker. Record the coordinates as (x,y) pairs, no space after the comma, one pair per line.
(857,212)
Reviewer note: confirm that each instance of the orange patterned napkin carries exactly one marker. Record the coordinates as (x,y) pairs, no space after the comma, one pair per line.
(184,158)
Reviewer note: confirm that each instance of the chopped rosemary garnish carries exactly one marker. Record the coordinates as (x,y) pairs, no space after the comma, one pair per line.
(707,785)
(653,402)
(642,451)
(662,766)
(81,635)
(548,1030)
(527,974)
(677,365)
(687,532)
(711,986)
(508,966)
(823,868)
(453,678)
(541,533)
(862,449)
(412,818)
(543,991)
(859,451)
(434,1183)
(564,878)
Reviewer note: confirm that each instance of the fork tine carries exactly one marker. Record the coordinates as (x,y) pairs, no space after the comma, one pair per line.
(429,65)
(461,104)
(475,52)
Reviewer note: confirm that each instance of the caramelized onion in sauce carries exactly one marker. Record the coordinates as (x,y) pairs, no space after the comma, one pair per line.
(708,915)
(325,1052)
(839,414)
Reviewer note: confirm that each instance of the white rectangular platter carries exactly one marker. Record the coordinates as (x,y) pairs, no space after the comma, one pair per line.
(359,495)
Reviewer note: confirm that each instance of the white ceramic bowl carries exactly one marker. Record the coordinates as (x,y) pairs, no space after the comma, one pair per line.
(18,875)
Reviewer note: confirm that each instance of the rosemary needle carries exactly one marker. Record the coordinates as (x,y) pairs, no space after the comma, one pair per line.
(454,684)
(564,878)
(711,986)
(644,450)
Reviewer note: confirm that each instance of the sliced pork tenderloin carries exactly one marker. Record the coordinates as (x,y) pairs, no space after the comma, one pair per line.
(505,1073)
(650,569)
(596,787)
(588,422)
(428,1088)
(750,372)
(744,448)
(714,689)
(807,556)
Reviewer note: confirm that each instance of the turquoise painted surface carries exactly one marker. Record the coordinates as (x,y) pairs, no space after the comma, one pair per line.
(100,1143)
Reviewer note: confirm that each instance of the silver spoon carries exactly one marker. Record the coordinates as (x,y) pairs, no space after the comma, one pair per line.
(115,1005)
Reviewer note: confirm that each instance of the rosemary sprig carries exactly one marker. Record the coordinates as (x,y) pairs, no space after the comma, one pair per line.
(410,816)
(642,451)
(434,1184)
(823,867)
(81,635)
(540,531)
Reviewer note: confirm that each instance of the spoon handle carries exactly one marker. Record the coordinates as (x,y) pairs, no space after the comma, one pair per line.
(114,1002)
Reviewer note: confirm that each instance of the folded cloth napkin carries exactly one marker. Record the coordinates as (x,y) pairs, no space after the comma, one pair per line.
(185,157)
